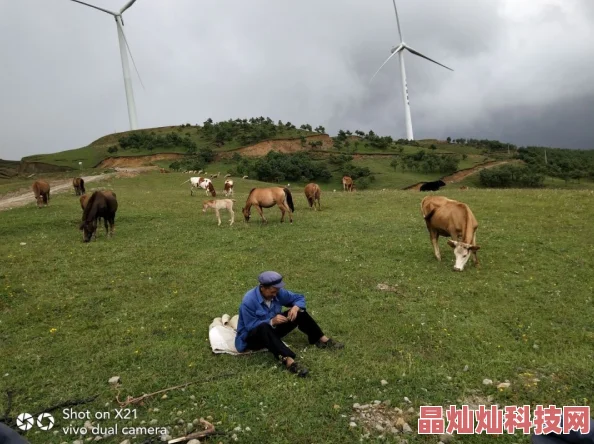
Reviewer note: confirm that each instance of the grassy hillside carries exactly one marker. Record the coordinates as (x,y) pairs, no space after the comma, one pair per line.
(231,135)
(98,150)
(139,305)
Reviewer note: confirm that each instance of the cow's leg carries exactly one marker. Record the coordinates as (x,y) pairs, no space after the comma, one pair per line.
(191,190)
(232,216)
(106,228)
(261,213)
(475,258)
(285,208)
(218,215)
(434,238)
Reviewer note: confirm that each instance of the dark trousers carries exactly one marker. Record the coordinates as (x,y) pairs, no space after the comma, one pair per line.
(265,336)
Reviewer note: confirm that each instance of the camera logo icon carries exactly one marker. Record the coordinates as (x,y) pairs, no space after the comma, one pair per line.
(45,421)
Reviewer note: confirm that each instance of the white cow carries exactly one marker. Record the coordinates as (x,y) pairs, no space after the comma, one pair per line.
(202,182)
(228,187)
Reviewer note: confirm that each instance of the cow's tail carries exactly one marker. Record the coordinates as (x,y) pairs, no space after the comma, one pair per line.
(185,182)
(82,185)
(429,215)
(289,199)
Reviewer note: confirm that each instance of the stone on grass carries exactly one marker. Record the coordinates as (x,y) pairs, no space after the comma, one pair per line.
(487,381)
(115,380)
(384,382)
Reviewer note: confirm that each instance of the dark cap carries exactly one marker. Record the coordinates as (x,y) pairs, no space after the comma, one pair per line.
(271,279)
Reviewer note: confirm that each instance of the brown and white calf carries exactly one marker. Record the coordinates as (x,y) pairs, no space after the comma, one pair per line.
(220,204)
(450,218)
(347,183)
(228,188)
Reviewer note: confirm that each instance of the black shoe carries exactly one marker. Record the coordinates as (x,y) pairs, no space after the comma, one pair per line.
(330,343)
(298,369)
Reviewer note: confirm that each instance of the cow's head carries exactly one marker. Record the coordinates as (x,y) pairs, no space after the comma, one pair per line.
(246,213)
(462,251)
(88,229)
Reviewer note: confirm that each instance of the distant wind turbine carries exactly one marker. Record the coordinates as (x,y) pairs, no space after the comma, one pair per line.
(124,56)
(400,51)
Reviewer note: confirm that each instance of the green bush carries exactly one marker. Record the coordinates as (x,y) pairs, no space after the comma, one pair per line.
(511,176)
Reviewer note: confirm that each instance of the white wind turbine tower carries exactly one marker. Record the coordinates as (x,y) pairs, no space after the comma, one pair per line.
(400,51)
(124,56)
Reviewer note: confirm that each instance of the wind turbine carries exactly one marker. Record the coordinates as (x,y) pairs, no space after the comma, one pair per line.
(124,56)
(400,51)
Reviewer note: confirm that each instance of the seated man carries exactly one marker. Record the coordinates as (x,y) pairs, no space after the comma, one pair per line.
(261,324)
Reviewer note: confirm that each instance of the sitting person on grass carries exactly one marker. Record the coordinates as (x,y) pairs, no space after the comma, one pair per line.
(262,325)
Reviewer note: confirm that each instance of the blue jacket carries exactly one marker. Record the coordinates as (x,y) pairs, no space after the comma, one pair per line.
(253,311)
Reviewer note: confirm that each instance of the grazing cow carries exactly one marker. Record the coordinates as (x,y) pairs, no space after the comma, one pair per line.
(214,176)
(41,189)
(79,185)
(244,177)
(101,204)
(312,194)
(267,198)
(202,182)
(163,170)
(227,175)
(220,204)
(347,183)
(450,218)
(432,186)
(463,187)
(228,187)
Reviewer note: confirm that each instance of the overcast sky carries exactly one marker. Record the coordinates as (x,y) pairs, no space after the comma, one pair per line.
(522,69)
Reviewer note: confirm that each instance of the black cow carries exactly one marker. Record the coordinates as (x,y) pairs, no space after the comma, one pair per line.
(433,186)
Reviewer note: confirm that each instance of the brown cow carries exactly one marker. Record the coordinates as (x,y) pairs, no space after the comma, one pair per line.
(101,204)
(79,185)
(450,218)
(312,194)
(347,183)
(463,187)
(41,189)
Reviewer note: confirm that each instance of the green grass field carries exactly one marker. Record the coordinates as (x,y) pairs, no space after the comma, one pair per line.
(72,315)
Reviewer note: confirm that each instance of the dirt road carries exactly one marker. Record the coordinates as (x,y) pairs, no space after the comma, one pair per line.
(20,198)
(460,175)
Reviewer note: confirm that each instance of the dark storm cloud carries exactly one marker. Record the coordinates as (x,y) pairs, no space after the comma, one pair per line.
(303,62)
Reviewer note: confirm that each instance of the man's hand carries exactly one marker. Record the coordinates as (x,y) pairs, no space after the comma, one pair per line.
(279,319)
(293,312)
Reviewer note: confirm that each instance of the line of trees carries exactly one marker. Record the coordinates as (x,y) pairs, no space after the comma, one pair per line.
(279,167)
(143,140)
(490,145)
(425,162)
(511,176)
(249,131)
(561,163)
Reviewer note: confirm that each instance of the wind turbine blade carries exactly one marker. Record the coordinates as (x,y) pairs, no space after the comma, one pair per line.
(130,52)
(126,6)
(396,51)
(95,7)
(417,53)
(397,21)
